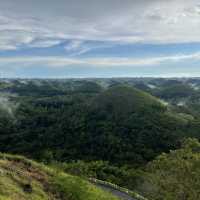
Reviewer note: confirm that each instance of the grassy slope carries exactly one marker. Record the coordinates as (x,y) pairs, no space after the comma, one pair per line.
(22,179)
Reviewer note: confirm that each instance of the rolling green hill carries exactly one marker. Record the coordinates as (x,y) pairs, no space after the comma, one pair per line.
(22,179)
(128,125)
(108,133)
(122,125)
(123,100)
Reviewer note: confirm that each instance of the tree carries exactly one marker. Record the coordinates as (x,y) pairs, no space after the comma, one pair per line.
(175,176)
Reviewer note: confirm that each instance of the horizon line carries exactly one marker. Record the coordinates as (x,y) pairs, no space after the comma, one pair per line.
(114,77)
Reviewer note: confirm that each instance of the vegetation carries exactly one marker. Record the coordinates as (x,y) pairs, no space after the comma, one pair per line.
(104,129)
(125,176)
(174,176)
(24,179)
(121,125)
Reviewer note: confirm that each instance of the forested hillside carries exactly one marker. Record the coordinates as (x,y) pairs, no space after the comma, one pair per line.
(102,128)
(120,124)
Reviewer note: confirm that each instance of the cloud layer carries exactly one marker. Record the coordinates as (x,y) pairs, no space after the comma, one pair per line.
(38,36)
(56,62)
(46,23)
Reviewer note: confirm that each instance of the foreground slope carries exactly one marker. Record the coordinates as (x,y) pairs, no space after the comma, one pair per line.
(22,179)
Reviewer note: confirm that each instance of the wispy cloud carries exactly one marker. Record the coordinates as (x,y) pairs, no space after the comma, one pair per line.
(53,61)
(97,34)
(79,47)
(44,43)
(135,21)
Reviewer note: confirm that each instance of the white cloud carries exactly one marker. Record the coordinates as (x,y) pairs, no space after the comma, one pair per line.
(127,21)
(78,47)
(56,62)
(74,45)
(44,43)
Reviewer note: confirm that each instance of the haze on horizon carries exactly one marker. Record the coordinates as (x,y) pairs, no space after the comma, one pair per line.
(92,38)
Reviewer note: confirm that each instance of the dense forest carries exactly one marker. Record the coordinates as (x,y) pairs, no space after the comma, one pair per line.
(110,129)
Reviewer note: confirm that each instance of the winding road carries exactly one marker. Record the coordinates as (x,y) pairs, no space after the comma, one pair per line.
(121,195)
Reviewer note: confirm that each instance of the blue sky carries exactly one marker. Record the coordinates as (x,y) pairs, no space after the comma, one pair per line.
(107,38)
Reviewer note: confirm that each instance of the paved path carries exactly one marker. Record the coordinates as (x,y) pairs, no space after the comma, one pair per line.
(121,195)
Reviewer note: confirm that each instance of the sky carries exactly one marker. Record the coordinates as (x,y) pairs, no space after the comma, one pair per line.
(99,38)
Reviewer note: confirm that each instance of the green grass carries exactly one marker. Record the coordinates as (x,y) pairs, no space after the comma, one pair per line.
(23,179)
